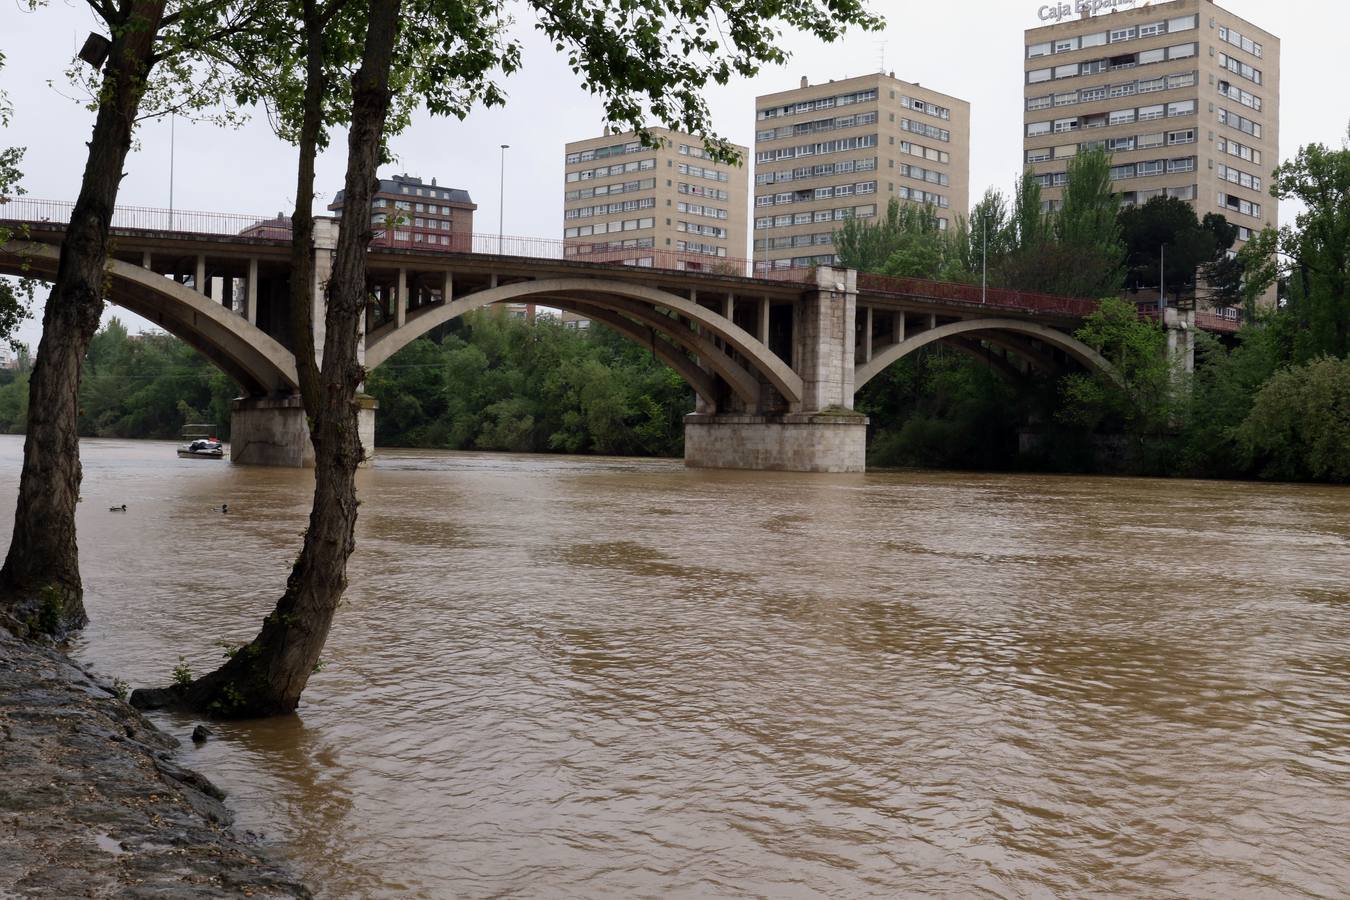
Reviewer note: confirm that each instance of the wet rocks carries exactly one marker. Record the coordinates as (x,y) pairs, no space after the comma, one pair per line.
(93,803)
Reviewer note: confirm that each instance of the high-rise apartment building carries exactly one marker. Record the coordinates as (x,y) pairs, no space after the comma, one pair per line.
(829,152)
(1185,96)
(668,205)
(423,215)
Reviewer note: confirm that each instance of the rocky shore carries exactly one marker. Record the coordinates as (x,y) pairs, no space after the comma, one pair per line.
(92,803)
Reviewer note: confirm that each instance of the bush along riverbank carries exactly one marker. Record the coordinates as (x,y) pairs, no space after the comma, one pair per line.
(94,804)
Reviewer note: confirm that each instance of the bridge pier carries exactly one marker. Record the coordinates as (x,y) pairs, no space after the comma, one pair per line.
(795,442)
(821,433)
(267,431)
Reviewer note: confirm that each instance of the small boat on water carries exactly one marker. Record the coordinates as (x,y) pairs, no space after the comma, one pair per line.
(200,443)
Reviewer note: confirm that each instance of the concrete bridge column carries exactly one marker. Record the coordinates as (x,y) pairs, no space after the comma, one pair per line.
(1180,325)
(821,433)
(251,292)
(273,431)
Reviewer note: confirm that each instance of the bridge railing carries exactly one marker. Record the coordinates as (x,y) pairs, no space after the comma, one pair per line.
(614,253)
(999,298)
(144,218)
(278,227)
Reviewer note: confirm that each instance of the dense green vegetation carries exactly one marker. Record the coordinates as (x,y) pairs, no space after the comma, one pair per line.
(142,386)
(497,383)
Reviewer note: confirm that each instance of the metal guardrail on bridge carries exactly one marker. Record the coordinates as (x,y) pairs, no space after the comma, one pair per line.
(278,227)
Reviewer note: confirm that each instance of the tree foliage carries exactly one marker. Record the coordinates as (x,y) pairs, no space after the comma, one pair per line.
(497,383)
(906,241)
(1143,401)
(1318,247)
(1299,425)
(1164,238)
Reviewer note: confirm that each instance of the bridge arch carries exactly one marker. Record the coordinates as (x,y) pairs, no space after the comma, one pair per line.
(260,363)
(1090,358)
(635,301)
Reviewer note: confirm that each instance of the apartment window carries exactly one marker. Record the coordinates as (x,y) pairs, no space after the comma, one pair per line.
(1063,125)
(1152,56)
(1122,34)
(1182,23)
(1152,30)
(1238,204)
(1182,193)
(1186,164)
(1041,155)
(1066,99)
(1182,51)
(1122,116)
(1152,85)
(1186,136)
(1069,71)
(1186,79)
(1065,45)
(1120,173)
(1120,145)
(1147,113)
(1088,95)
(1122,90)
(1149,141)
(1035,103)
(1096,66)
(1181,108)
(1151,167)
(1094,40)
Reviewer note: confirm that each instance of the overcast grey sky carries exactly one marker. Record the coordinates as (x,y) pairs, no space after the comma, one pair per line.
(971,49)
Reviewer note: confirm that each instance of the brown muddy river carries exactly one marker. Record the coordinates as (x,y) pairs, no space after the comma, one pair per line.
(563,677)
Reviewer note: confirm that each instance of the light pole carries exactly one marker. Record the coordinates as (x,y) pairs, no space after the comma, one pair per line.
(501,198)
(984,261)
(1162,277)
(173,117)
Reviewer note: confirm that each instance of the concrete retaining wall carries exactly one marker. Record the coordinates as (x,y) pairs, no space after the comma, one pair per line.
(791,443)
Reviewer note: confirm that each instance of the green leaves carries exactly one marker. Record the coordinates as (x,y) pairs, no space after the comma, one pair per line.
(501,384)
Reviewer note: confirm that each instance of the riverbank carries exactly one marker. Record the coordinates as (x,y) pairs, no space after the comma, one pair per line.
(93,802)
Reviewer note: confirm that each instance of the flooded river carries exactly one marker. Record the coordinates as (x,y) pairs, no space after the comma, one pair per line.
(563,677)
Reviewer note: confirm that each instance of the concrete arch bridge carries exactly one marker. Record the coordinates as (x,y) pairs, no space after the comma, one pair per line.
(775,361)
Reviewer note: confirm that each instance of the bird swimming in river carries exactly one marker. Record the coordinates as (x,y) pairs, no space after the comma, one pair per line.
(222,508)
(122,508)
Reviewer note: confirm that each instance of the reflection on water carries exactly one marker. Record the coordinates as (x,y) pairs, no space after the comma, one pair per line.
(566,677)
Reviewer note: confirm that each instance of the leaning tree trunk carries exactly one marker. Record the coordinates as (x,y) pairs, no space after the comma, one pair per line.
(267,675)
(302,219)
(40,588)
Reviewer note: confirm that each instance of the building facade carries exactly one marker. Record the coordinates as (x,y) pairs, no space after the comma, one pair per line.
(829,152)
(668,205)
(1185,96)
(406,211)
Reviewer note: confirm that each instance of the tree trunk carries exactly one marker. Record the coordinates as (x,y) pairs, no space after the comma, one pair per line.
(267,676)
(302,288)
(40,588)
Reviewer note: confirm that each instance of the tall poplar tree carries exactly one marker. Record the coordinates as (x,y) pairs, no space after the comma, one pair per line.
(153,50)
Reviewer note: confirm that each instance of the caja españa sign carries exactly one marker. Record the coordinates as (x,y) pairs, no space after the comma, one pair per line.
(1055,12)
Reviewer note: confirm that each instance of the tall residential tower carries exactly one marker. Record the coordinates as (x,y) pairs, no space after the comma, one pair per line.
(668,205)
(829,152)
(1185,96)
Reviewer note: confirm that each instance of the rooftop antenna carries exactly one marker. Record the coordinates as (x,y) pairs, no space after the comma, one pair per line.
(881,57)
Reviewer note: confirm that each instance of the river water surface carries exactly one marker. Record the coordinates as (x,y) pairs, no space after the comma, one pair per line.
(564,677)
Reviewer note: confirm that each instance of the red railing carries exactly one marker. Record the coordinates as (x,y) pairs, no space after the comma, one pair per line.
(999,298)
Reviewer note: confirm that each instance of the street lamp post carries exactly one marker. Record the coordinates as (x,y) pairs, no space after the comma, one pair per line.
(984,261)
(1162,277)
(172,119)
(501,198)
